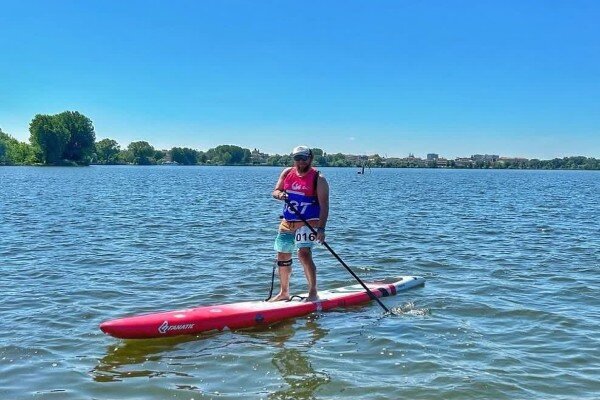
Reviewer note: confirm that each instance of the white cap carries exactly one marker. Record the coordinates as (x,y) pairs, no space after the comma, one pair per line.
(304,150)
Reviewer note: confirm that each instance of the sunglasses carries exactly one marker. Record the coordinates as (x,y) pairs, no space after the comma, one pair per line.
(300,157)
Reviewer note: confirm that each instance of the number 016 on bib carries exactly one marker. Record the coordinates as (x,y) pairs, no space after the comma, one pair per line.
(305,236)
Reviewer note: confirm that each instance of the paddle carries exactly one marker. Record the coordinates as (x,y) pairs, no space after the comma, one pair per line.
(371,295)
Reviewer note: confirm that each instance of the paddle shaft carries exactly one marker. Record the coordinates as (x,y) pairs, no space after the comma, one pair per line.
(324,243)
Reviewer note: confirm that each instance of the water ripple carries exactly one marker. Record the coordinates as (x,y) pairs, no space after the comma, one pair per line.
(510,308)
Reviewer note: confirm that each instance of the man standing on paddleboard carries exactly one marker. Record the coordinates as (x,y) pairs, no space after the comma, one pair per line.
(308,191)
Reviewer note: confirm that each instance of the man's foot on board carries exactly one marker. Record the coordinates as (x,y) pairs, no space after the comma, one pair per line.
(311,299)
(280,297)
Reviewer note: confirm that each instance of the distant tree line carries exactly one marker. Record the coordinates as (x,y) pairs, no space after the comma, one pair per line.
(69,138)
(578,162)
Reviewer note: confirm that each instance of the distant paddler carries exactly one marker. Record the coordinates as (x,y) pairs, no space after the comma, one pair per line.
(308,191)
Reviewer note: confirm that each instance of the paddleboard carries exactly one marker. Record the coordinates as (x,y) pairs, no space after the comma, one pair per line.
(249,313)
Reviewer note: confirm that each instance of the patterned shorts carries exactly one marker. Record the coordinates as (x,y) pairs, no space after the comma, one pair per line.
(285,242)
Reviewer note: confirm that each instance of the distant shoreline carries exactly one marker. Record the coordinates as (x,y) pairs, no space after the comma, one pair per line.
(316,166)
(78,147)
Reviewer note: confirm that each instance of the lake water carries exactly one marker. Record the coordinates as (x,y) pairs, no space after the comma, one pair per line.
(511,308)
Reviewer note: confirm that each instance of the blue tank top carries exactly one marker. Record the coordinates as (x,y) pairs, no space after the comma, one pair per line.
(302,193)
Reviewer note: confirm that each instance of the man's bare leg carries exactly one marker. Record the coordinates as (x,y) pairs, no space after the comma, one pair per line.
(310,270)
(285,272)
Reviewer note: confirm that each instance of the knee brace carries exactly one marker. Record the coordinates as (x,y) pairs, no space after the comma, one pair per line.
(287,263)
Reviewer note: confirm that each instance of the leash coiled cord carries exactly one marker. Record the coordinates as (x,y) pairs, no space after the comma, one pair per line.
(287,263)
(272,282)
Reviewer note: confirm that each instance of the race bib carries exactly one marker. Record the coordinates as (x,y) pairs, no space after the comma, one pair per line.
(304,235)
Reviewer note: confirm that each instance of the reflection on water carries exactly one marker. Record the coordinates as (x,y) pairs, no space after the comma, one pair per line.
(116,364)
(298,373)
(511,259)
(296,369)
(156,357)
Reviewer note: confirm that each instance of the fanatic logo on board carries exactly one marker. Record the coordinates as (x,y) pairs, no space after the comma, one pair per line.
(165,327)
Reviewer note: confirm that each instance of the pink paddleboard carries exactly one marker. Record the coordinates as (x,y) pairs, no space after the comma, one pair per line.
(249,313)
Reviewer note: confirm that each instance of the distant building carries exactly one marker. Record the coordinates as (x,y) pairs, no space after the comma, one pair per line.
(441,162)
(432,157)
(412,161)
(463,162)
(485,157)
(513,159)
(256,157)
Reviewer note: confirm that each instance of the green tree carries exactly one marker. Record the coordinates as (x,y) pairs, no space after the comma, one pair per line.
(65,137)
(376,160)
(4,143)
(49,136)
(125,157)
(229,155)
(320,160)
(224,158)
(337,160)
(274,160)
(142,153)
(3,149)
(159,156)
(286,160)
(317,152)
(80,146)
(13,152)
(107,151)
(591,163)
(281,161)
(185,156)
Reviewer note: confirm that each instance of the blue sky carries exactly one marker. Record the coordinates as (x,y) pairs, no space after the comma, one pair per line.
(515,78)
